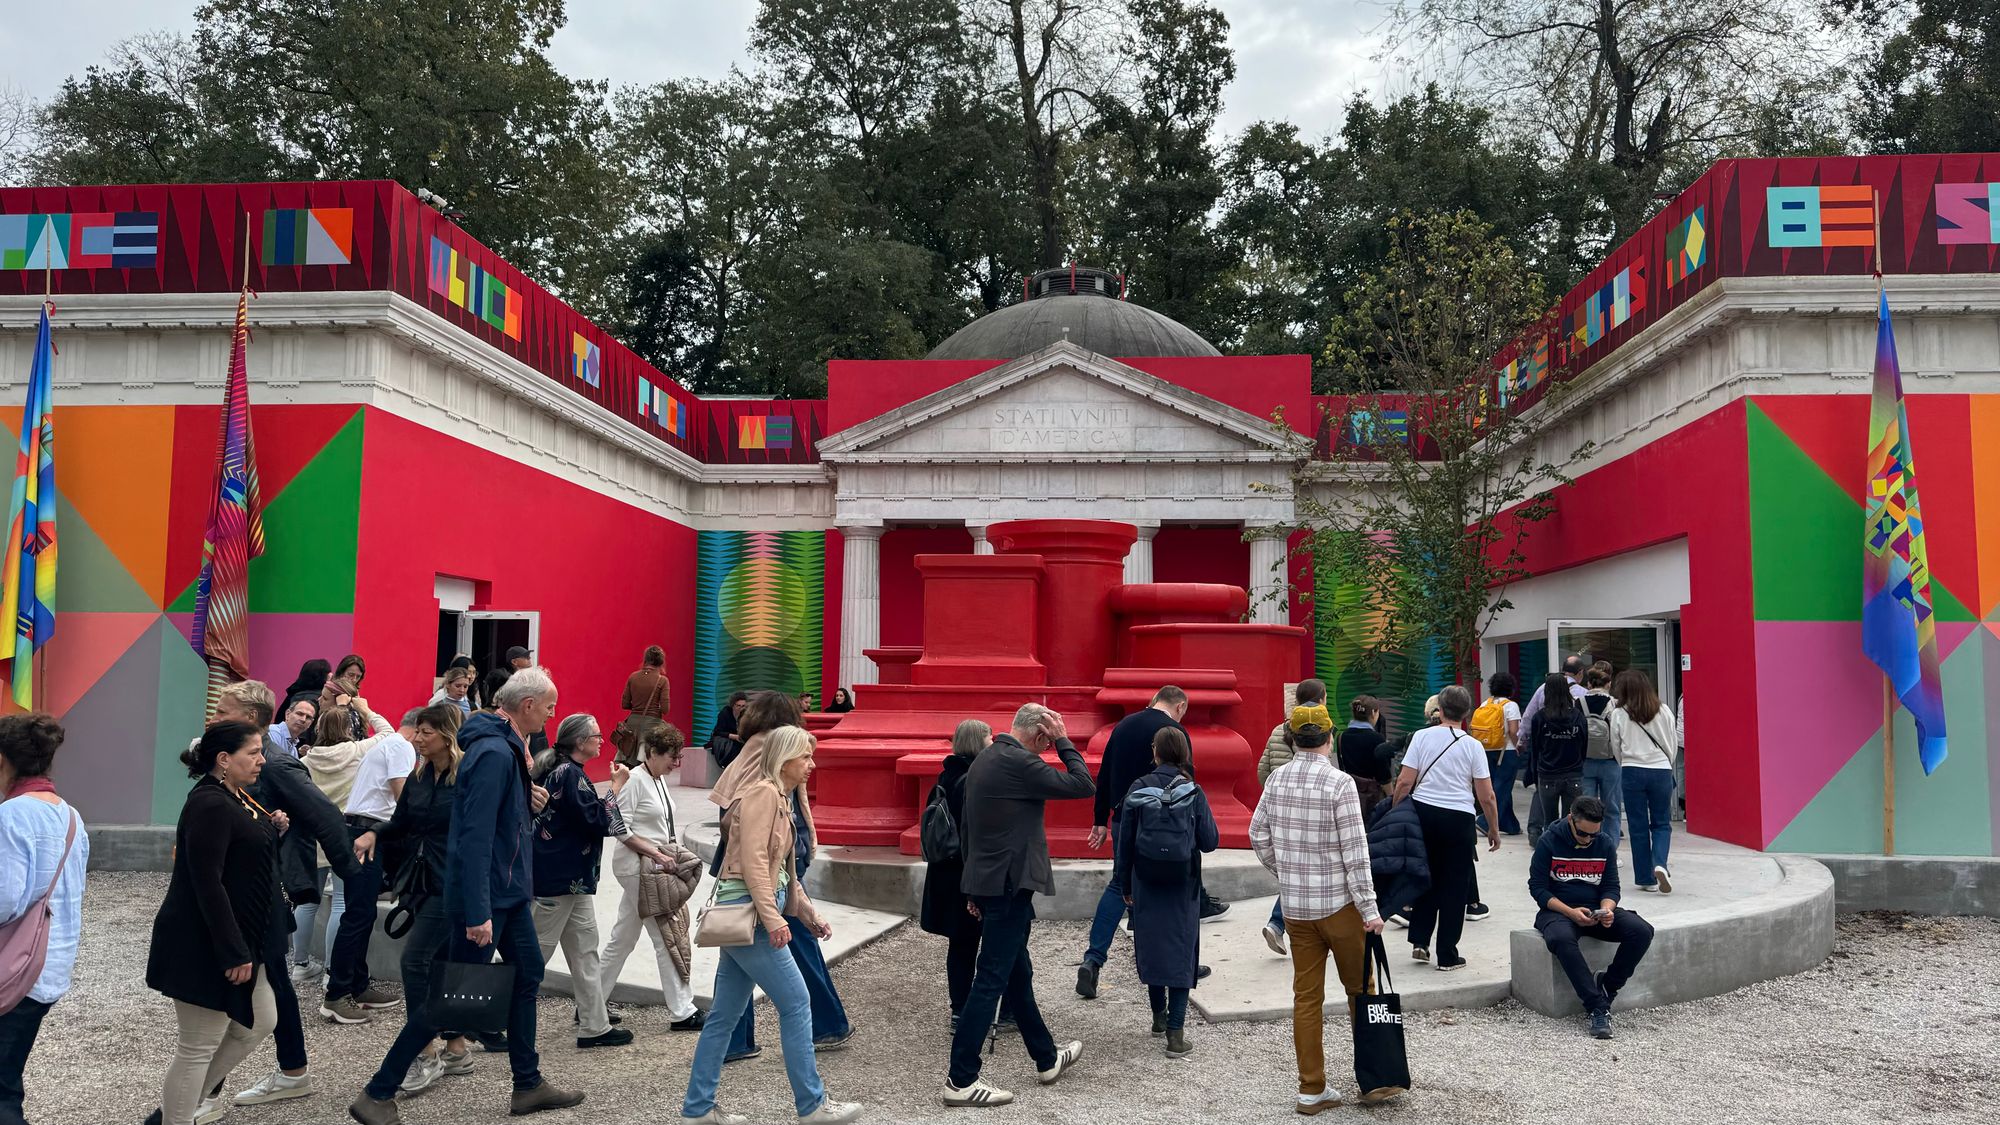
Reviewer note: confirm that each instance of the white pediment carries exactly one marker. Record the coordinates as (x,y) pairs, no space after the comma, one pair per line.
(1061,404)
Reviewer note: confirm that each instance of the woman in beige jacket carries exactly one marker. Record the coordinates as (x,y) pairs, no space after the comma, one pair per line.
(757,865)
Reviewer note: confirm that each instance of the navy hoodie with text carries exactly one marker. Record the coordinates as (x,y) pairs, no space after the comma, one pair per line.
(1582,875)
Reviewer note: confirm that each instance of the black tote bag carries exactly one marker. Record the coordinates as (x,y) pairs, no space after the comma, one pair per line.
(1381,1067)
(470,996)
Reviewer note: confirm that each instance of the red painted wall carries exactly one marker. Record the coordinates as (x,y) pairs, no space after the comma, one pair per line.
(607,578)
(903,586)
(1692,484)
(1201,554)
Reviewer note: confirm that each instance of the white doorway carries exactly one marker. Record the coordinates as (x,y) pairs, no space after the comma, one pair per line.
(1642,643)
(487,634)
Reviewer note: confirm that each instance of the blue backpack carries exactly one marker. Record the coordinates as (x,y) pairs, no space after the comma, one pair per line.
(1164,843)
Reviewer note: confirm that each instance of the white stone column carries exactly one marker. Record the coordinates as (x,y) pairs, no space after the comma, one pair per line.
(1139,560)
(980,544)
(860,602)
(1269,604)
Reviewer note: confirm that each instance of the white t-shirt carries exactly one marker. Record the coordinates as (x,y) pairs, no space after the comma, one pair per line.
(390,759)
(1449,761)
(1510,720)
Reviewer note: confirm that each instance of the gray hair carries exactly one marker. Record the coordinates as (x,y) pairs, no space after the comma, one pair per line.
(1455,703)
(1031,717)
(528,683)
(970,738)
(572,731)
(411,716)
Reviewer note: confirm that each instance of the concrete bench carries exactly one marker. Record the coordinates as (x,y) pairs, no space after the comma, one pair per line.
(1699,953)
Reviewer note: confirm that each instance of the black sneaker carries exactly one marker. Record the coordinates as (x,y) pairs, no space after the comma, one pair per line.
(492,1042)
(1600,1024)
(741,1055)
(692,1023)
(1476,911)
(833,1042)
(1159,1024)
(1086,981)
(1212,907)
(616,1037)
(1201,972)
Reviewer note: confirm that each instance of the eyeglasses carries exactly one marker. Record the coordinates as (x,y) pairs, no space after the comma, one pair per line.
(1583,837)
(593,738)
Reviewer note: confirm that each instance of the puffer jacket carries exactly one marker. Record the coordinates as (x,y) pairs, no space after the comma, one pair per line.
(1397,857)
(1277,751)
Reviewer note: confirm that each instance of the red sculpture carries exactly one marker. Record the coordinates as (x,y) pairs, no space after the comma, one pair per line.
(1049,619)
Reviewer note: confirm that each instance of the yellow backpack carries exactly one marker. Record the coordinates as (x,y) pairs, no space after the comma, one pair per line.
(1489,724)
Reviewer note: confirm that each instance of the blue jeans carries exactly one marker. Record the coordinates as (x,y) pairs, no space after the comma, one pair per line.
(514,939)
(424,944)
(306,915)
(1172,1001)
(18,1028)
(1649,800)
(1278,912)
(743,967)
(1004,970)
(1110,911)
(347,948)
(829,1014)
(1603,778)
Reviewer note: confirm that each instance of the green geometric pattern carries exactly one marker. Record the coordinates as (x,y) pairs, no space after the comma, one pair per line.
(758,615)
(310,532)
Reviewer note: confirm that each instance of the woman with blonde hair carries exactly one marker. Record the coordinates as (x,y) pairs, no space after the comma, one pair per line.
(757,865)
(413,853)
(456,689)
(334,761)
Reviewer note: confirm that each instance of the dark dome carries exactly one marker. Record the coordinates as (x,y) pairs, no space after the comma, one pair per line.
(1089,307)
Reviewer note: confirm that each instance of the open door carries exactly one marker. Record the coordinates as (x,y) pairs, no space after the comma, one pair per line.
(487,634)
(1643,644)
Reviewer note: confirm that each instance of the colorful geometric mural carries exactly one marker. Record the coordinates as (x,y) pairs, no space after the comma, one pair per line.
(1820,714)
(133,496)
(101,240)
(759,600)
(1824,215)
(1347,630)
(1687,247)
(584,359)
(1968,214)
(460,280)
(763,431)
(309,236)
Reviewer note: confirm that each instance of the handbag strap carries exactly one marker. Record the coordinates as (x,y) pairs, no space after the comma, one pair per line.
(659,681)
(68,843)
(1375,976)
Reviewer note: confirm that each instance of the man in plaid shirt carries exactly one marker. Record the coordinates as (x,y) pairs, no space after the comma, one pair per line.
(1308,830)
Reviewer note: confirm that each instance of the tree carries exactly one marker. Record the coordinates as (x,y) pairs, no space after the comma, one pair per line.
(1935,85)
(1621,94)
(457,96)
(1057,61)
(1313,219)
(1431,526)
(1162,226)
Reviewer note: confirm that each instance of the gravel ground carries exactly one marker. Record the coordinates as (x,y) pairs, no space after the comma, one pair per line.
(1877,1033)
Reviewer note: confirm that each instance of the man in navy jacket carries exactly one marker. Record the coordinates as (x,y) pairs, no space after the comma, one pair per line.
(1573,878)
(489,869)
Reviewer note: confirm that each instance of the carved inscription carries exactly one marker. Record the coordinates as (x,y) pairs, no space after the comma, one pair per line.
(1076,427)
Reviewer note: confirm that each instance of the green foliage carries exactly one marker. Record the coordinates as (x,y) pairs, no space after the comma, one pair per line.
(1935,86)
(1430,528)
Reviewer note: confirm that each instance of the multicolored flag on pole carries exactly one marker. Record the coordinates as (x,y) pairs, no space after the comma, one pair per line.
(28,602)
(235,532)
(1898,624)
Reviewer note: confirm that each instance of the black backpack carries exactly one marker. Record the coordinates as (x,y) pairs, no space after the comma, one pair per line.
(1562,741)
(1163,846)
(938,830)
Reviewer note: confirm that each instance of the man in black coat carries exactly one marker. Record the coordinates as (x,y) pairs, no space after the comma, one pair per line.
(1006,850)
(286,787)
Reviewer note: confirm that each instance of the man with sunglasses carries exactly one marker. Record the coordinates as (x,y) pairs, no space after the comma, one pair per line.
(1574,880)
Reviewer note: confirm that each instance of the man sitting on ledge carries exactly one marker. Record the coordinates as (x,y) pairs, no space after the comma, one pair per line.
(1574,880)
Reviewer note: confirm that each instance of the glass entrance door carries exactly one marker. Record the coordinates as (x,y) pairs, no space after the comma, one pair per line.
(1643,644)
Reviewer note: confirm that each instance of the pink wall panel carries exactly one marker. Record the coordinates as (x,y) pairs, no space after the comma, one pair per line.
(608,579)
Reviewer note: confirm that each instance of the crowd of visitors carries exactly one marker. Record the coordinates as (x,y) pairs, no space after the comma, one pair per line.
(488,849)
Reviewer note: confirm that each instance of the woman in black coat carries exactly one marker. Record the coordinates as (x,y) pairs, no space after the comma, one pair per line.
(946,911)
(223,907)
(1166,904)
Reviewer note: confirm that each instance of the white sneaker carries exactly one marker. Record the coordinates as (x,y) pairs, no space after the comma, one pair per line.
(305,972)
(211,1110)
(1310,1104)
(1066,1056)
(276,1087)
(831,1112)
(424,1072)
(715,1116)
(460,1063)
(977,1096)
(1275,938)
(1665,880)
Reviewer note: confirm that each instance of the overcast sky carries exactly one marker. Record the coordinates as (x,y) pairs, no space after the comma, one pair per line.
(1298,60)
